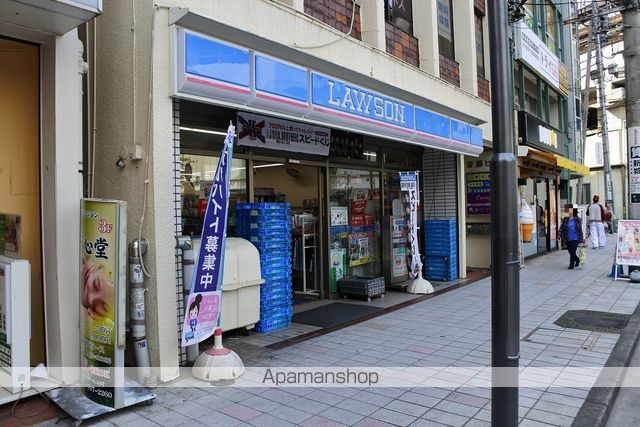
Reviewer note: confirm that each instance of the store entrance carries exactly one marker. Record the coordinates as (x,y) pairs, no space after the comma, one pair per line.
(299,185)
(20,222)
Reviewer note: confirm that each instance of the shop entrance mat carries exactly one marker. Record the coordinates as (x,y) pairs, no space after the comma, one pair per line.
(302,300)
(333,314)
(595,321)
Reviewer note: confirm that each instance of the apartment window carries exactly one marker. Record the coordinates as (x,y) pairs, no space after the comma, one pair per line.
(531,94)
(555,110)
(517,77)
(479,45)
(400,14)
(551,25)
(445,28)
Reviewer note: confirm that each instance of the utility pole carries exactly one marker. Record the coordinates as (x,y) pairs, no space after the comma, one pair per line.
(584,114)
(505,264)
(631,22)
(599,30)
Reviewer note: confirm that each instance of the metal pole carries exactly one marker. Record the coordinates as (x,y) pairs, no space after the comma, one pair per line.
(584,114)
(505,267)
(631,21)
(608,185)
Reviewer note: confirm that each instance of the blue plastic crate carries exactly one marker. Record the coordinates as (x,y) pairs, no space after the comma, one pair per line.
(276,311)
(276,297)
(268,325)
(278,276)
(274,270)
(271,245)
(263,205)
(284,263)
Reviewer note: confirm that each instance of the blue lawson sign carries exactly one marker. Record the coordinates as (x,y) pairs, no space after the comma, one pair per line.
(229,74)
(203,307)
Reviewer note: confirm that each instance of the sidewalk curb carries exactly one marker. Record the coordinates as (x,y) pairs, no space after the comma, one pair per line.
(597,406)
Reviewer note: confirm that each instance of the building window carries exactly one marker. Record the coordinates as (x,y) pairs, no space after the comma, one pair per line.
(555,110)
(400,14)
(517,77)
(479,45)
(531,94)
(551,24)
(445,28)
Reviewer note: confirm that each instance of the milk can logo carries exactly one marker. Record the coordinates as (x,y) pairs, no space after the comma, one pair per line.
(251,128)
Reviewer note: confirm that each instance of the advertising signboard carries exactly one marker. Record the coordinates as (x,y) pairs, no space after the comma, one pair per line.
(479,193)
(103,254)
(410,202)
(628,244)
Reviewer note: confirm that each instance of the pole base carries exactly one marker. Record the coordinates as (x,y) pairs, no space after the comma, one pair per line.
(420,286)
(218,366)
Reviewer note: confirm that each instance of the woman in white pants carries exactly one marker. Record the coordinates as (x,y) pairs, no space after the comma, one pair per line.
(595,213)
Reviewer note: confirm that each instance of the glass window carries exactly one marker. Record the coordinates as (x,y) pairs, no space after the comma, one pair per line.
(516,85)
(529,16)
(531,93)
(196,177)
(551,23)
(480,46)
(445,28)
(354,238)
(555,110)
(400,13)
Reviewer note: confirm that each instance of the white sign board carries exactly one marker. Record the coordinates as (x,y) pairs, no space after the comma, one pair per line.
(535,53)
(15,323)
(633,141)
(275,134)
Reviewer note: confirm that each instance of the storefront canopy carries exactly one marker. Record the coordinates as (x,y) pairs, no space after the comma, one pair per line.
(568,164)
(50,16)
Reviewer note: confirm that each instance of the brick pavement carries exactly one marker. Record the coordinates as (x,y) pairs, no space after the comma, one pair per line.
(450,330)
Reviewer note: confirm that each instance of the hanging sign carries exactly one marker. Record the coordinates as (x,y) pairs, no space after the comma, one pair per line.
(266,132)
(410,201)
(633,140)
(103,255)
(628,247)
(202,312)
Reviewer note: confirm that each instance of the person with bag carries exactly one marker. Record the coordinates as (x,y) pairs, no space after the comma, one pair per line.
(596,215)
(571,236)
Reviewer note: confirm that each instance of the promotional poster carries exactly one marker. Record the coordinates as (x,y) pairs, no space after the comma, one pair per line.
(410,203)
(102,286)
(203,307)
(628,247)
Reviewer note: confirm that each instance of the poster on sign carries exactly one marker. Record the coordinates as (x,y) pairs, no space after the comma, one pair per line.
(202,311)
(276,134)
(410,201)
(478,193)
(628,243)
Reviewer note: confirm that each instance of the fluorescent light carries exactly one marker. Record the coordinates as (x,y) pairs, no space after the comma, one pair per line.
(211,132)
(268,166)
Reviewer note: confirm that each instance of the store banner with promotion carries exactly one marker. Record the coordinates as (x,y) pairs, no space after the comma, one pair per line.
(410,203)
(276,134)
(203,307)
(628,245)
(478,193)
(103,253)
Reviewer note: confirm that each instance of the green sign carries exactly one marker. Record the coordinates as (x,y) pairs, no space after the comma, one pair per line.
(102,286)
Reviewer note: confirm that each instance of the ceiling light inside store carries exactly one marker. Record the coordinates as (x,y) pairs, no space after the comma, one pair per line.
(210,132)
(269,165)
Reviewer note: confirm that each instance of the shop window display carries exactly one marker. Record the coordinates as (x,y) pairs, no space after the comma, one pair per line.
(196,177)
(354,200)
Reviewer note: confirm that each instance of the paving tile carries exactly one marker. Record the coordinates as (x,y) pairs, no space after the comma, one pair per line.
(341,415)
(556,408)
(445,417)
(308,405)
(193,410)
(241,412)
(278,396)
(420,399)
(219,419)
(407,408)
(358,407)
(457,408)
(393,417)
(142,422)
(372,398)
(477,423)
(214,401)
(317,421)
(261,404)
(167,418)
(265,420)
(467,399)
(325,397)
(421,422)
(548,417)
(290,414)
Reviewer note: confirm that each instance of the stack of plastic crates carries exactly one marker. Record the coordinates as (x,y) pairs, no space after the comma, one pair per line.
(268,227)
(441,249)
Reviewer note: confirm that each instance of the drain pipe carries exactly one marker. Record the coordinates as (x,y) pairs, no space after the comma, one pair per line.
(188,265)
(137,249)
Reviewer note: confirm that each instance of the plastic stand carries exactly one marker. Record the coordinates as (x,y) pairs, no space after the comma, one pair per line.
(218,363)
(80,408)
(420,285)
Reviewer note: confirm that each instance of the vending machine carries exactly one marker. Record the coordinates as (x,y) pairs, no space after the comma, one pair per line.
(15,323)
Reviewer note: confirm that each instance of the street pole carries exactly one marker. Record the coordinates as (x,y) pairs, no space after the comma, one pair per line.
(584,114)
(608,185)
(505,266)
(631,22)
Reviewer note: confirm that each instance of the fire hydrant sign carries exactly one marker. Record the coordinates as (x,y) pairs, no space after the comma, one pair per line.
(203,307)
(102,291)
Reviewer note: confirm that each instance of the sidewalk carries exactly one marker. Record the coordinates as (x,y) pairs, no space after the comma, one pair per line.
(453,329)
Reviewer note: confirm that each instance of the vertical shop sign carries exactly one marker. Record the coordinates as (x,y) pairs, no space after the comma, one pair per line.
(203,307)
(479,193)
(102,292)
(633,140)
(410,202)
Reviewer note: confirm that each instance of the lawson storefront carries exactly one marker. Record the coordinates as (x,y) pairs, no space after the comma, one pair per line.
(330,146)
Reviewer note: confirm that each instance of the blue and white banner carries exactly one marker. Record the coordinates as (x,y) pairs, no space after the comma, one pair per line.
(203,307)
(410,203)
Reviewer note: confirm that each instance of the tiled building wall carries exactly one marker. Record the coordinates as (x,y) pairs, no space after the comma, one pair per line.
(336,13)
(402,45)
(449,70)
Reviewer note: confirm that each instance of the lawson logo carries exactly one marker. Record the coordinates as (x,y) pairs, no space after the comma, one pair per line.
(341,96)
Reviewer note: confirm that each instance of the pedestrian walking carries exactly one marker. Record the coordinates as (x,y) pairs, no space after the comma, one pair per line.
(596,215)
(571,236)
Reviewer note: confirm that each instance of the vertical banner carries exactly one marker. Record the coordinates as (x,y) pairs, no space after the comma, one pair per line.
(410,203)
(203,307)
(103,254)
(633,141)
